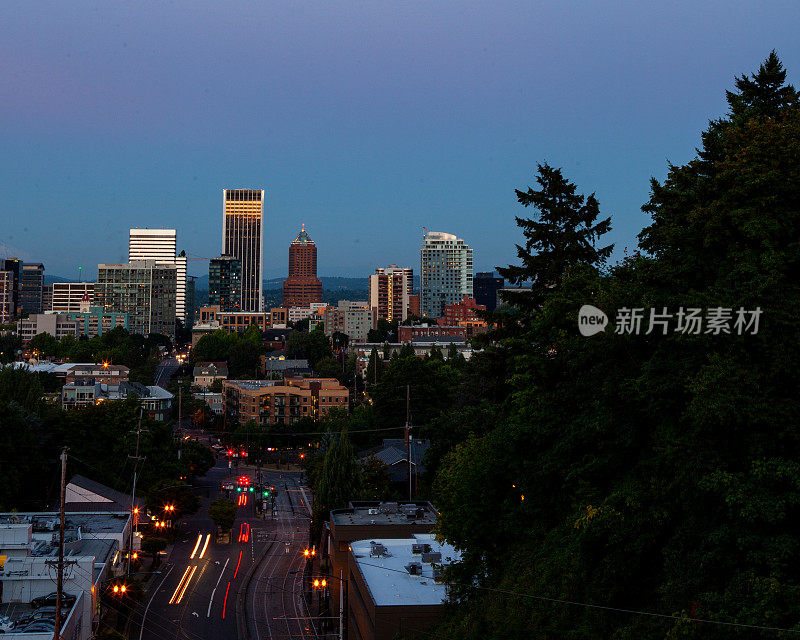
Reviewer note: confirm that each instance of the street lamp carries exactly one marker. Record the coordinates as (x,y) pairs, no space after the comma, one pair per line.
(322,583)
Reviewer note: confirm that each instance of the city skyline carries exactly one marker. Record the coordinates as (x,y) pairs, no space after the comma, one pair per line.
(412,115)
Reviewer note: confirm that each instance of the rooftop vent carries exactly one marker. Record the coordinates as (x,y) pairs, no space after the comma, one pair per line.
(432,557)
(414,568)
(373,512)
(377,550)
(388,507)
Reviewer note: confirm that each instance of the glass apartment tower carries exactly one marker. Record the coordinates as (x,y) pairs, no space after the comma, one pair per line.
(144,289)
(225,283)
(242,238)
(445,272)
(161,245)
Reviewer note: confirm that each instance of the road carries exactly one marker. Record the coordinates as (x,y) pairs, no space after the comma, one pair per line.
(249,589)
(165,370)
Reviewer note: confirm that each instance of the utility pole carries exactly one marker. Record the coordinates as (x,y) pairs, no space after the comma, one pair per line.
(180,431)
(60,579)
(408,438)
(136,459)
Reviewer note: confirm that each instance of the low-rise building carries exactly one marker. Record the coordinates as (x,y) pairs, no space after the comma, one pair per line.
(156,401)
(56,325)
(28,544)
(272,366)
(464,314)
(395,586)
(370,520)
(270,402)
(354,319)
(276,338)
(213,401)
(426,330)
(103,372)
(205,373)
(295,314)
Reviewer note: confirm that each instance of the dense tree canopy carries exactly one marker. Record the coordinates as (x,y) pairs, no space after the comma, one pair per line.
(653,472)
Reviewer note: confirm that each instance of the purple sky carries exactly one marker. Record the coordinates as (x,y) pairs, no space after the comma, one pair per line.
(365,120)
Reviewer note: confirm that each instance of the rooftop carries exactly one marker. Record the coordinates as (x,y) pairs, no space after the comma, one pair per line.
(385,513)
(303,237)
(387,577)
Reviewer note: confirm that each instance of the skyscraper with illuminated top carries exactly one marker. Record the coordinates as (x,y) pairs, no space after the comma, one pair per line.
(242,238)
(302,287)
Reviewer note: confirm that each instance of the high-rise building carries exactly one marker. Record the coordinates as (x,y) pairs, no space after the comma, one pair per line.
(302,287)
(47,298)
(14,267)
(6,296)
(190,288)
(68,297)
(390,290)
(486,285)
(161,245)
(242,238)
(31,283)
(225,283)
(145,289)
(445,272)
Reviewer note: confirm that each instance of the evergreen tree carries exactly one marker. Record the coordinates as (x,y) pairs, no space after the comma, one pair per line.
(563,234)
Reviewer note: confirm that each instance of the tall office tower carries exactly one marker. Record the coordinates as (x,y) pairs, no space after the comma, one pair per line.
(302,287)
(14,266)
(190,287)
(31,283)
(486,285)
(242,238)
(390,290)
(161,245)
(225,283)
(6,296)
(445,272)
(47,298)
(67,296)
(144,289)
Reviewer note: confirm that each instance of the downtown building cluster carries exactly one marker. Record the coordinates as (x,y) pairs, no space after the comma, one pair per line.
(151,292)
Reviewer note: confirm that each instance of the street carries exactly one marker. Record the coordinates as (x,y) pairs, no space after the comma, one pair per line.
(247,589)
(165,370)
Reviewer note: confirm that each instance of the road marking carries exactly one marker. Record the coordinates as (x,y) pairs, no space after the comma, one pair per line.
(205,546)
(185,586)
(211,599)
(149,602)
(196,544)
(183,577)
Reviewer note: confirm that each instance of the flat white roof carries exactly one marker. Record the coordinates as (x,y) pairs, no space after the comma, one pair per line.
(389,582)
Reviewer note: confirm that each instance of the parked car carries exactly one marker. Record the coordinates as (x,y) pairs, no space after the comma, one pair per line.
(67,600)
(42,626)
(42,613)
(6,625)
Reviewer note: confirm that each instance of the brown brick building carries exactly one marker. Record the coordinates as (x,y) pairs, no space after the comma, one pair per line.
(302,287)
(407,334)
(271,402)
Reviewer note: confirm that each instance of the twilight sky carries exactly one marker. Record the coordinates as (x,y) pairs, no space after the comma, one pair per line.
(365,120)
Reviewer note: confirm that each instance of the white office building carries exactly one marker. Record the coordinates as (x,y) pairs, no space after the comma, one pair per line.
(161,245)
(445,272)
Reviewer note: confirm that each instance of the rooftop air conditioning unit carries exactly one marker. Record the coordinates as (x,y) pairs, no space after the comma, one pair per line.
(434,556)
(372,512)
(418,548)
(378,550)
(415,569)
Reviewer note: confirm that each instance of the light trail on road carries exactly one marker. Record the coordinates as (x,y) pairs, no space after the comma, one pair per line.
(225,602)
(205,546)
(211,599)
(186,585)
(175,593)
(196,545)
